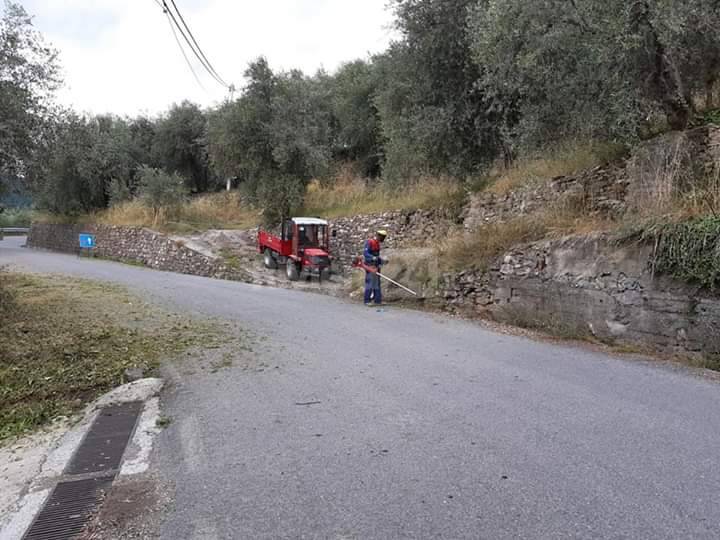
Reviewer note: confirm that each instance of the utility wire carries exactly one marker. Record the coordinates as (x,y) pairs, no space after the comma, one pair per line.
(182,50)
(169,12)
(212,69)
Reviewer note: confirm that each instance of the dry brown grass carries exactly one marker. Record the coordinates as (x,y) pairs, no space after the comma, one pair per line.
(479,248)
(706,199)
(216,211)
(482,247)
(351,195)
(668,185)
(561,161)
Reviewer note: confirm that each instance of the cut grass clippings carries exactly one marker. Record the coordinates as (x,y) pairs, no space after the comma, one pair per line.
(65,342)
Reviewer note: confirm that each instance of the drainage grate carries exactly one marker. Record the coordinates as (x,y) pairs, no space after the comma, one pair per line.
(105,443)
(68,509)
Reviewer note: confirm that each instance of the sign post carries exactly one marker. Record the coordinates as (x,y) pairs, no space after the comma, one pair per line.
(87,242)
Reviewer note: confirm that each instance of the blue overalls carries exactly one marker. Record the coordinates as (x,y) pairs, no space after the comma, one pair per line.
(372,280)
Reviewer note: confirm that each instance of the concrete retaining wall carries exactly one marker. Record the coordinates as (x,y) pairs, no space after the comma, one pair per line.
(591,285)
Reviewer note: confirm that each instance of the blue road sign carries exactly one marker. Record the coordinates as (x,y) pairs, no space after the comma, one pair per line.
(87,241)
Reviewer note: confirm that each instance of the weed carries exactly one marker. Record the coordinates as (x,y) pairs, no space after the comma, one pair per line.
(231,259)
(711,116)
(709,361)
(688,251)
(547,323)
(480,248)
(163,422)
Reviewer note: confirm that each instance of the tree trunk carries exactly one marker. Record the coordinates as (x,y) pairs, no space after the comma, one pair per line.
(709,97)
(662,78)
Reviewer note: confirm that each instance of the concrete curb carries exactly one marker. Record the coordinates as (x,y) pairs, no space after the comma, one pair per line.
(135,461)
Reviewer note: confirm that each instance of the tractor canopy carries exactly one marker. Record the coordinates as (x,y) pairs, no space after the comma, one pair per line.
(311,233)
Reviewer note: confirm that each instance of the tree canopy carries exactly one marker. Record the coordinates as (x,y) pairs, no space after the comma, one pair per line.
(29,75)
(466,83)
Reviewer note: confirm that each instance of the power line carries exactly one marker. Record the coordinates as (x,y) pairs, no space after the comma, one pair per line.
(182,50)
(169,12)
(212,69)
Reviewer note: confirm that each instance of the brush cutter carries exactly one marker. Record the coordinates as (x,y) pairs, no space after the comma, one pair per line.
(359,263)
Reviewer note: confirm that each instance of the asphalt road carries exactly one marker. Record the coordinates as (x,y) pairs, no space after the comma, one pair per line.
(427,427)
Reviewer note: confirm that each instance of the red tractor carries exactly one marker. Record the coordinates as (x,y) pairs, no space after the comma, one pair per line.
(303,247)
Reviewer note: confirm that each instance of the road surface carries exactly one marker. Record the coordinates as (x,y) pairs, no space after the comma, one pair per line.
(426,427)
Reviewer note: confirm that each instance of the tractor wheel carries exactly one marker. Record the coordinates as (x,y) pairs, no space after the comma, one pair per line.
(293,273)
(269,260)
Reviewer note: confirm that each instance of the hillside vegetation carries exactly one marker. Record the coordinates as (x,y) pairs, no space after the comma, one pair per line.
(471,93)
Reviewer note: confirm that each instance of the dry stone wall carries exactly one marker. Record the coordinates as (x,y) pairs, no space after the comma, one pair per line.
(132,244)
(405,228)
(600,190)
(590,285)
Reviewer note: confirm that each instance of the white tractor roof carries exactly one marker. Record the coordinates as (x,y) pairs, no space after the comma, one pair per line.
(309,221)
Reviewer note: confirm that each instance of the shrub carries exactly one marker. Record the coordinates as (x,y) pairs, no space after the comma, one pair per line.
(16,218)
(161,191)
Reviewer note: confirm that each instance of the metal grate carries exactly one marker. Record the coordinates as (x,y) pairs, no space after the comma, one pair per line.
(68,509)
(105,443)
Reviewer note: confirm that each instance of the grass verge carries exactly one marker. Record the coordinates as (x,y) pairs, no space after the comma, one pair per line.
(65,342)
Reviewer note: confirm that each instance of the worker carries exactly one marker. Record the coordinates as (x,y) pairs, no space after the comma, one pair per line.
(373,260)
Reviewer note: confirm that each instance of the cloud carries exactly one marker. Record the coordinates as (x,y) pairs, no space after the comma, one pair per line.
(121,57)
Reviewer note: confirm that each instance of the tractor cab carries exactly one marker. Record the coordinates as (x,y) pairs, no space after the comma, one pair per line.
(303,246)
(306,233)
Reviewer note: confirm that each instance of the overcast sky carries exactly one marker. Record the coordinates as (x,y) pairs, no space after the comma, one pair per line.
(120,55)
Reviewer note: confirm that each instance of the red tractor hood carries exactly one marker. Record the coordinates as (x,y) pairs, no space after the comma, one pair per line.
(315,252)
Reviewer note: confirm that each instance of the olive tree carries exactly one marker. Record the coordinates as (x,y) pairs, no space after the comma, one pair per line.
(29,76)
(586,68)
